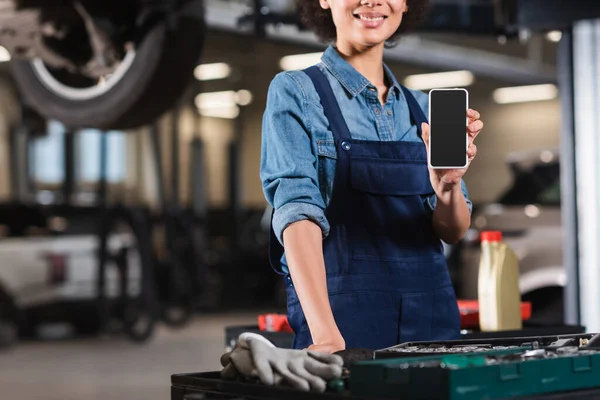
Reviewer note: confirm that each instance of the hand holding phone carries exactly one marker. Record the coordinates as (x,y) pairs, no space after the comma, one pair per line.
(448,121)
(450,145)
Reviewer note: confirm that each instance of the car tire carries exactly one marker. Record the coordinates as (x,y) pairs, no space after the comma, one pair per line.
(155,78)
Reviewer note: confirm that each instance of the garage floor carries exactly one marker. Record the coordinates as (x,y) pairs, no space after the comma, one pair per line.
(114,369)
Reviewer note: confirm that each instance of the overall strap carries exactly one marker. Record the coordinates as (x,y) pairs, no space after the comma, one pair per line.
(416,112)
(330,105)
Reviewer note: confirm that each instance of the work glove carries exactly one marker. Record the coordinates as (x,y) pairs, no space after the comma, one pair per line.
(256,357)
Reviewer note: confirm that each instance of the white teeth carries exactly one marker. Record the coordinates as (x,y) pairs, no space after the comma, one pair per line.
(370,19)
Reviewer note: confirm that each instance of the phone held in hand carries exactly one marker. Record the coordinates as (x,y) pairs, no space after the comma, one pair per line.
(448,121)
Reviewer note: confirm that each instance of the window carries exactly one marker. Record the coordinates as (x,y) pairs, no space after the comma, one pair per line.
(88,156)
(47,156)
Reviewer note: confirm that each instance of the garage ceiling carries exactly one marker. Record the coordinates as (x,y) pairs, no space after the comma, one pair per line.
(530,60)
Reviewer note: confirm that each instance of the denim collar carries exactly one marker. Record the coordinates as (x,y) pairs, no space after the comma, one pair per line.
(352,80)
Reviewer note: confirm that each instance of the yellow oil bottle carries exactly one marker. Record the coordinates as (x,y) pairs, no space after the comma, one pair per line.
(498,287)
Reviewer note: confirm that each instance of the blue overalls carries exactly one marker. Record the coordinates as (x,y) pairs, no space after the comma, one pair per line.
(386,272)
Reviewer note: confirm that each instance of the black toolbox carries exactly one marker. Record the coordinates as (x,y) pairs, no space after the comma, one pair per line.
(209,386)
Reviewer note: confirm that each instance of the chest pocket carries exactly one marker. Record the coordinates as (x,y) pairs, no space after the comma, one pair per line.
(327,154)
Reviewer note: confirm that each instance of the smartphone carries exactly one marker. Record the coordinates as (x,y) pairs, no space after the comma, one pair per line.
(448,121)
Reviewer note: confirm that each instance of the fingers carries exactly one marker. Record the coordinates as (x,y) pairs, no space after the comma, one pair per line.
(262,365)
(325,371)
(241,359)
(316,383)
(229,372)
(473,114)
(472,151)
(295,381)
(225,359)
(327,358)
(474,128)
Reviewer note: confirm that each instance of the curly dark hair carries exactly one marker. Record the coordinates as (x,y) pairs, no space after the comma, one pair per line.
(319,21)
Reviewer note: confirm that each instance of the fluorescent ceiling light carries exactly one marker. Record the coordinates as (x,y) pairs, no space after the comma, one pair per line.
(228,112)
(554,36)
(4,54)
(243,97)
(223,99)
(208,72)
(222,104)
(299,61)
(522,94)
(436,80)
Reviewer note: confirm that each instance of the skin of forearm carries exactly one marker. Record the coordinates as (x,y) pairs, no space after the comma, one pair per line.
(451,217)
(303,244)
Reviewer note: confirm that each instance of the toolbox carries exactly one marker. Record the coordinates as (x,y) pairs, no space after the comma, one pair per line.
(479,345)
(507,368)
(498,368)
(209,385)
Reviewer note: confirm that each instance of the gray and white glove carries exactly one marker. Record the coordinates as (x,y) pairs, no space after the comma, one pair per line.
(256,357)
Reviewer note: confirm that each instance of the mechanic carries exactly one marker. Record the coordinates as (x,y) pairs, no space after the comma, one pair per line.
(359,217)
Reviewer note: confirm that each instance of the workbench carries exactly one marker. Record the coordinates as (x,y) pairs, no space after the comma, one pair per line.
(209,385)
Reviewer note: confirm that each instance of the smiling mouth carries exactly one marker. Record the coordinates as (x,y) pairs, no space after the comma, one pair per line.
(369,18)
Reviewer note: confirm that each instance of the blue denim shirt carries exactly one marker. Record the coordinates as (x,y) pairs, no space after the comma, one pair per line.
(298,153)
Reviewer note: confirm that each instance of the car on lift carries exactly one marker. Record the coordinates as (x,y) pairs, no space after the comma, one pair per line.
(528,215)
(102,64)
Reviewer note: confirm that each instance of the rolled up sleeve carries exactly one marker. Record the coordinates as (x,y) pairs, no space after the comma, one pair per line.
(431,201)
(288,167)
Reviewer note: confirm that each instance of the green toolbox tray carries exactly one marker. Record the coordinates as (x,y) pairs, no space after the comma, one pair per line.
(495,374)
(483,345)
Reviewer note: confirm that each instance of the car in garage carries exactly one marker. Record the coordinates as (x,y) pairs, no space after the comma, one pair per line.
(528,215)
(51,267)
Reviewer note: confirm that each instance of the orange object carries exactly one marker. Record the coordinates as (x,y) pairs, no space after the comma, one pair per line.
(491,236)
(469,312)
(274,323)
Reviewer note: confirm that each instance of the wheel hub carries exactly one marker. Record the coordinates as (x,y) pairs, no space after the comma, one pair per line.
(26,35)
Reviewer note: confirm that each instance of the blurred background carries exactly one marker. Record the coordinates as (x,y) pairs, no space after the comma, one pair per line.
(133,227)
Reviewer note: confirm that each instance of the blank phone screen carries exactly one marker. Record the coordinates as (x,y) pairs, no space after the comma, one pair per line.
(448,128)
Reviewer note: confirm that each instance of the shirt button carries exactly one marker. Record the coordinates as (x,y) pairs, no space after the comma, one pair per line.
(346,146)
(372,89)
(389,112)
(377,111)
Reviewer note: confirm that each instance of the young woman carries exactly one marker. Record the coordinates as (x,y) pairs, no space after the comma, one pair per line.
(359,218)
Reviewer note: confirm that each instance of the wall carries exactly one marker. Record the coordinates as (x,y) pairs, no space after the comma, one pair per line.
(509,128)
